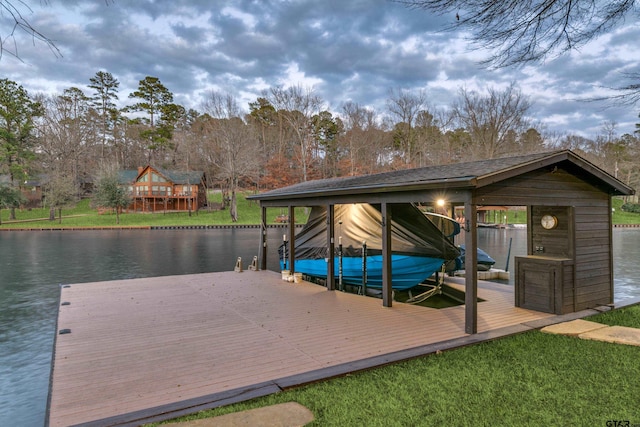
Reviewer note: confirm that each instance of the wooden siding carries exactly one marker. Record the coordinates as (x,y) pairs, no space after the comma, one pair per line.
(162,194)
(143,343)
(589,240)
(545,284)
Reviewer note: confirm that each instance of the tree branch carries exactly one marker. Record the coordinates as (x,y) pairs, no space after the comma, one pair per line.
(21,23)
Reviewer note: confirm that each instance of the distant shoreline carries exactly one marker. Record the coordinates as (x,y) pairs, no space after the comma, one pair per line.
(149,227)
(191,227)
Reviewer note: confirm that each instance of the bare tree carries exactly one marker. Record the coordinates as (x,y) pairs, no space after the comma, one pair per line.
(405,106)
(367,145)
(233,143)
(67,135)
(60,191)
(297,106)
(523,31)
(490,119)
(16,11)
(627,94)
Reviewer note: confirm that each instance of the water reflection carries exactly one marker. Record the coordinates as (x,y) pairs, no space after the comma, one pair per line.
(626,271)
(35,263)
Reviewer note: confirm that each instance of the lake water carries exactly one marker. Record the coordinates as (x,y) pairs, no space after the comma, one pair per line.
(34,264)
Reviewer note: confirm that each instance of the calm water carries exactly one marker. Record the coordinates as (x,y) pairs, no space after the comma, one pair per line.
(34,264)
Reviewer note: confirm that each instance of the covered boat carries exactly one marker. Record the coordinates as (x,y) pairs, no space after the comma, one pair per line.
(418,247)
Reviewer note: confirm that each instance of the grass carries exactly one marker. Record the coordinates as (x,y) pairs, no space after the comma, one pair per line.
(82,215)
(527,379)
(621,217)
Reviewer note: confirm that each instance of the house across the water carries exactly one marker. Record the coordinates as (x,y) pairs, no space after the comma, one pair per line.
(154,189)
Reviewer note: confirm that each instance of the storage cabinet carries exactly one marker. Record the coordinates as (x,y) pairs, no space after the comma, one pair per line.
(545,284)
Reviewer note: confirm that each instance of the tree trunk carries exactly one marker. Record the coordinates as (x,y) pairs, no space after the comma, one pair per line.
(60,214)
(12,214)
(233,209)
(52,213)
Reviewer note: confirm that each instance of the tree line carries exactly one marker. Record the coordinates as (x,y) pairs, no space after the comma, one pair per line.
(287,135)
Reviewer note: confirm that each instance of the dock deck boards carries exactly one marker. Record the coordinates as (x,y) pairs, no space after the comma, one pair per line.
(144,343)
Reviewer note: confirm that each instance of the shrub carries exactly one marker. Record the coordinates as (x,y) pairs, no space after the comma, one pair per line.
(631,207)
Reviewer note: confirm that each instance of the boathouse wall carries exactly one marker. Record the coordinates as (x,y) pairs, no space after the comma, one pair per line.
(583,235)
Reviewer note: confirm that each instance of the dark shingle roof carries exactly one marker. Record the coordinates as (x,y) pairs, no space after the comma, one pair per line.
(176,177)
(127,176)
(183,177)
(461,175)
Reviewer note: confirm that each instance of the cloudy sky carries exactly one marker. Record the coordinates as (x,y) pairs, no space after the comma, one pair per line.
(347,50)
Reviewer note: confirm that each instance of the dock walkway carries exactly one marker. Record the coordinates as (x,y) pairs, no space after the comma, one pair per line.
(149,349)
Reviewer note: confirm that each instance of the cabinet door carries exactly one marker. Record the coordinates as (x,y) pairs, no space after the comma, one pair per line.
(535,286)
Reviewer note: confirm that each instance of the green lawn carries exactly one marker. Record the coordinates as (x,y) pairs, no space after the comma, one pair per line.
(82,215)
(531,379)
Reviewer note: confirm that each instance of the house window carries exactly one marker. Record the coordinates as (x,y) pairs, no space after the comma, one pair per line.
(156,178)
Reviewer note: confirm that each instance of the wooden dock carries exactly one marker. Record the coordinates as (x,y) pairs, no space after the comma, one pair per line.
(151,349)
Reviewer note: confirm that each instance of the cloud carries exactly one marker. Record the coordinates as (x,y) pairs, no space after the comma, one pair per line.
(347,50)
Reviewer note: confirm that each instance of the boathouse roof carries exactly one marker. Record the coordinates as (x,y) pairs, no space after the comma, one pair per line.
(558,184)
(467,175)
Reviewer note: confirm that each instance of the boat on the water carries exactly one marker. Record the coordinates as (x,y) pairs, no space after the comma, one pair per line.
(483,260)
(419,248)
(450,228)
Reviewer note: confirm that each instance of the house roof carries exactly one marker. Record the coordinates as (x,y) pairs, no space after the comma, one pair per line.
(467,175)
(34,181)
(182,177)
(127,176)
(176,177)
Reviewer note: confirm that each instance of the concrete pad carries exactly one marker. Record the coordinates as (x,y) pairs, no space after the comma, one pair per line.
(573,328)
(290,414)
(614,334)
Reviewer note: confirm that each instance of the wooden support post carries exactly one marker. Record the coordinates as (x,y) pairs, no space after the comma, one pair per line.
(387,292)
(471,268)
(292,239)
(331,282)
(610,225)
(263,240)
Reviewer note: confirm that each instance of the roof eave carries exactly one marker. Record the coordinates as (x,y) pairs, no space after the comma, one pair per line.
(617,187)
(462,183)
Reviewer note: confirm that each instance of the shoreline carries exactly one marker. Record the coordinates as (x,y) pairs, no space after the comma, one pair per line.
(186,227)
(148,227)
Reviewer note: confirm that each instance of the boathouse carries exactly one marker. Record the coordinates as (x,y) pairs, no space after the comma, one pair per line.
(569,264)
(154,189)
